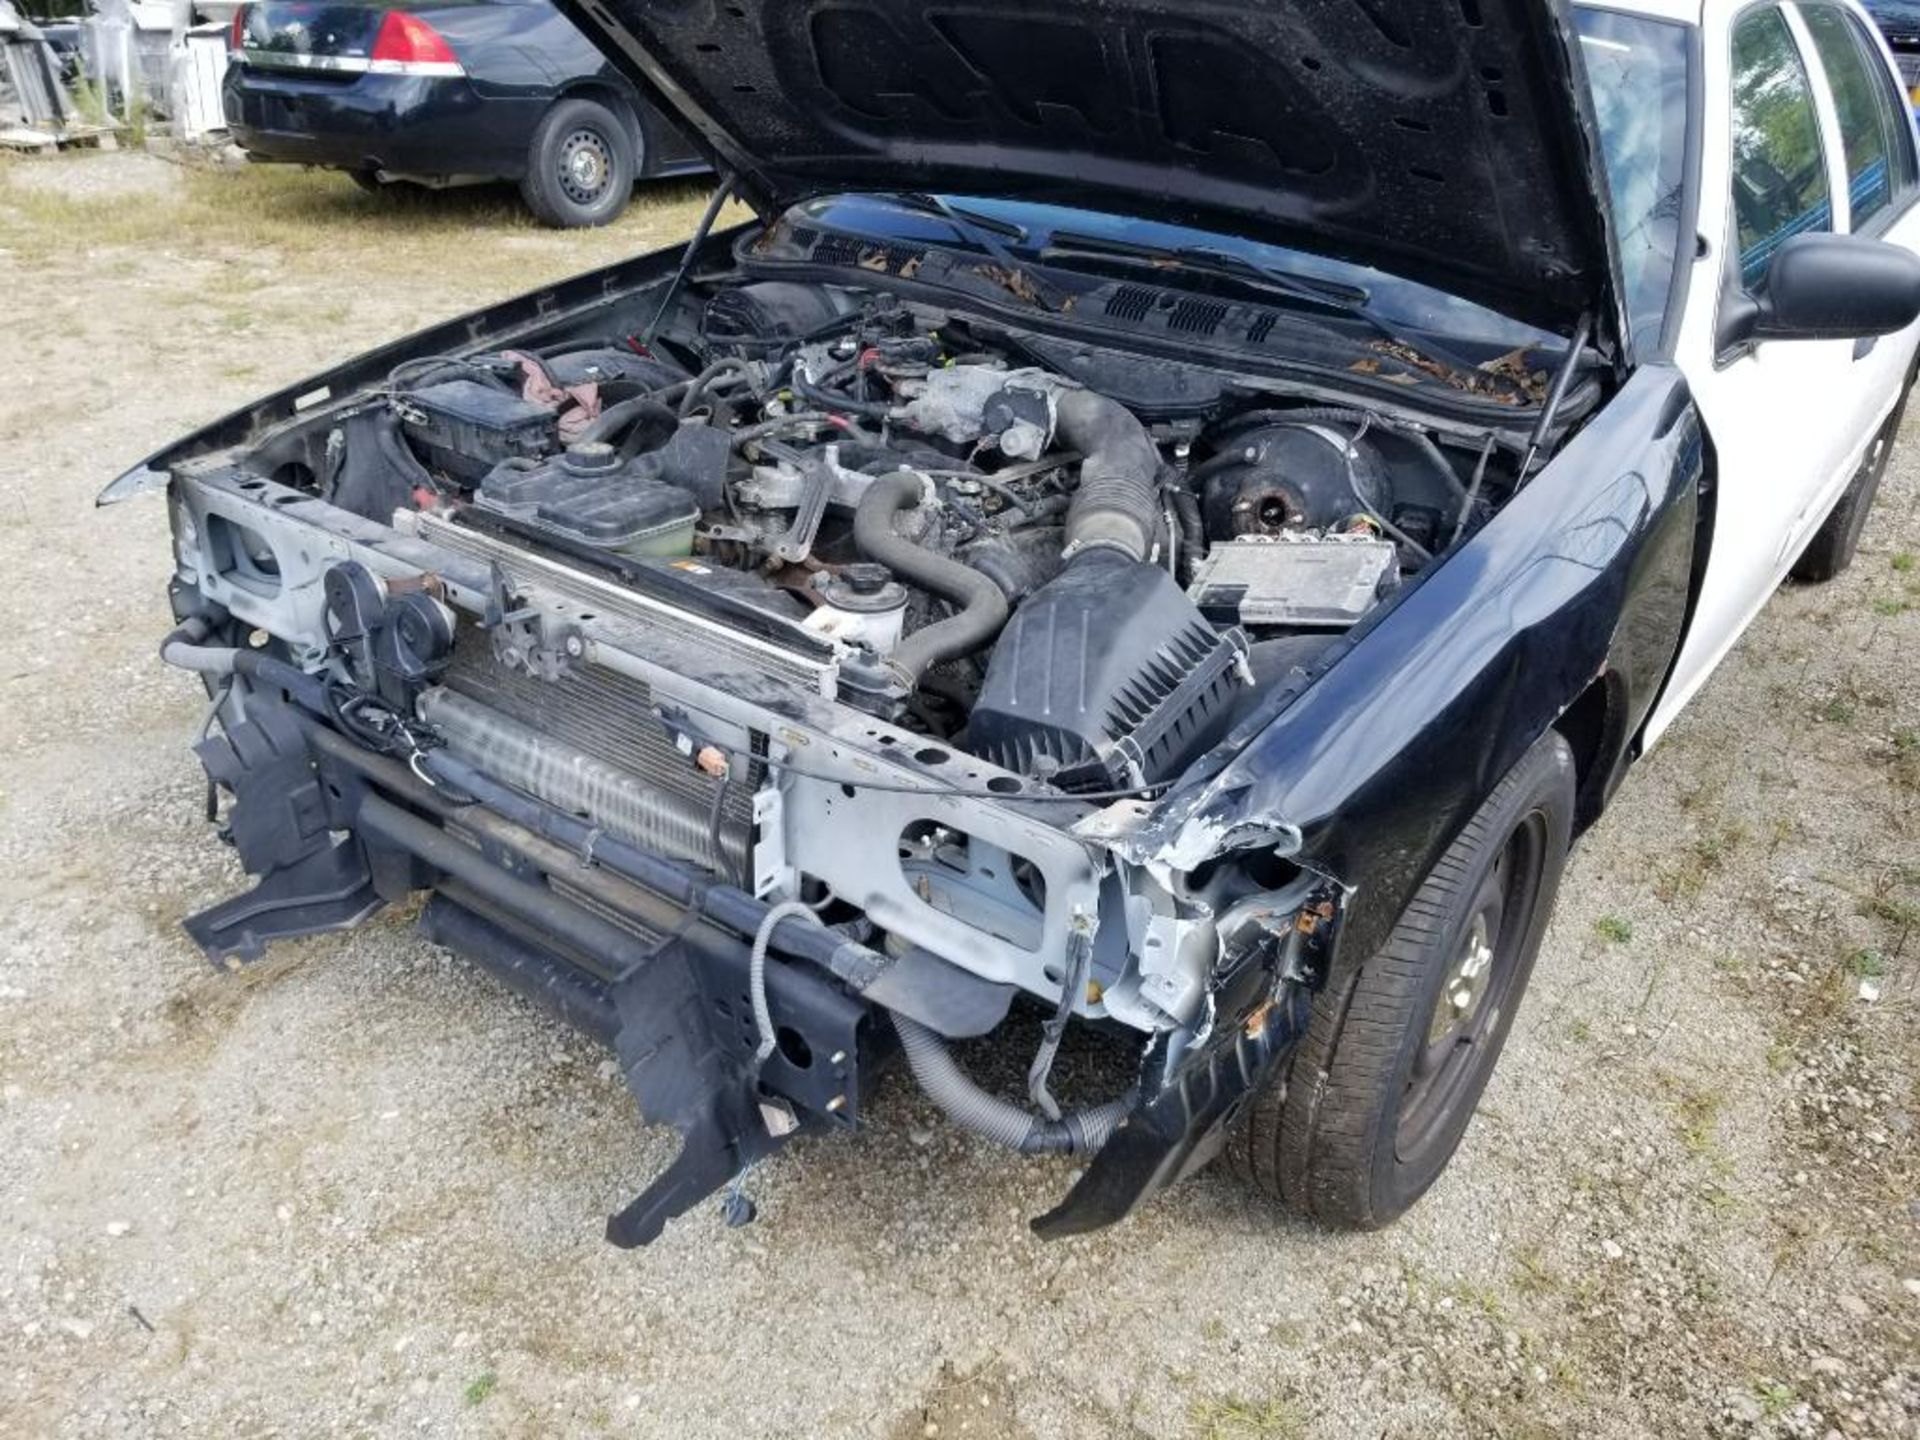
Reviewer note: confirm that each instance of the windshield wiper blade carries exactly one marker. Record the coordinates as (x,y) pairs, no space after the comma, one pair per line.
(989,232)
(1330,296)
(1311,288)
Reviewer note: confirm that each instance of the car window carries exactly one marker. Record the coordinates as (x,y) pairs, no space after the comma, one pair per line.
(1637,69)
(1779,170)
(1878,153)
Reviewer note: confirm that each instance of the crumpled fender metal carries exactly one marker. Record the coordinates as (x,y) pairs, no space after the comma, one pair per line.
(1261,1003)
(1582,578)
(1369,772)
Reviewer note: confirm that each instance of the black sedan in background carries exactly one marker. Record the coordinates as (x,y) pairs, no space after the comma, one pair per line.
(1899,22)
(447,92)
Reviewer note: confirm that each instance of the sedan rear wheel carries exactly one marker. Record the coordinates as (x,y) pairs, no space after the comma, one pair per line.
(580,165)
(1834,544)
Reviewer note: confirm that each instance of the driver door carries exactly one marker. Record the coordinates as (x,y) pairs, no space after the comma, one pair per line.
(1786,417)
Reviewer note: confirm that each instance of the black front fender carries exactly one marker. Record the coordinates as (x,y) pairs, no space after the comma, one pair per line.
(1377,764)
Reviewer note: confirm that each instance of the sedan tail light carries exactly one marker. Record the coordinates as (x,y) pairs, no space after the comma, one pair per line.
(237,36)
(408,45)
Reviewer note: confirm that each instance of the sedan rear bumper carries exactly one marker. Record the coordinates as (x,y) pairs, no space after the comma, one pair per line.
(429,126)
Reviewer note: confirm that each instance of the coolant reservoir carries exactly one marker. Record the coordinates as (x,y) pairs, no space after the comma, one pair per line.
(591,496)
(861,605)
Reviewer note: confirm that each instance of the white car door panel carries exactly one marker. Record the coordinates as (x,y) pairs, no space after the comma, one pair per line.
(1789,420)
(1763,180)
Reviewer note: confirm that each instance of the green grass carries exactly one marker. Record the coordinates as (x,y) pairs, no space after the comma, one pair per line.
(1614,929)
(1901,914)
(1697,1112)
(483,1386)
(1867,964)
(1704,857)
(1902,562)
(1229,1417)
(262,212)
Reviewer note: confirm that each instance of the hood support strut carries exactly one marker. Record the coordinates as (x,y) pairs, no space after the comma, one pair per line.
(716,202)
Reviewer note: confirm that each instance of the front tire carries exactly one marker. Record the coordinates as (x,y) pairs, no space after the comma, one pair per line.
(581,165)
(1376,1098)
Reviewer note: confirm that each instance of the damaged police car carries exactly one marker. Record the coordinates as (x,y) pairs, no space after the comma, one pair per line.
(1170,519)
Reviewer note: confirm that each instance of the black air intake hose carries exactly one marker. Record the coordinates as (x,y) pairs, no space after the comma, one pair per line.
(1117,503)
(983,606)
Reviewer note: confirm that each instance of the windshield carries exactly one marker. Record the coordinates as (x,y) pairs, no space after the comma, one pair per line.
(1028,229)
(1638,72)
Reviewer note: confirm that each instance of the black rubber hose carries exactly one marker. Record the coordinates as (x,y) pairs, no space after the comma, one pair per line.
(1117,503)
(184,648)
(1079,1132)
(614,420)
(1193,530)
(840,404)
(697,388)
(983,607)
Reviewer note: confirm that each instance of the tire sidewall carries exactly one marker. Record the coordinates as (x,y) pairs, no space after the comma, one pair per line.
(1542,781)
(543,189)
(1835,543)
(1867,486)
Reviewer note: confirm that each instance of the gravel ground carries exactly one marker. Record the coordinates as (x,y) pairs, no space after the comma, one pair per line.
(359,1188)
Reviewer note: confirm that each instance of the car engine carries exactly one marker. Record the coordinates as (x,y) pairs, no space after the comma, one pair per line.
(1002,557)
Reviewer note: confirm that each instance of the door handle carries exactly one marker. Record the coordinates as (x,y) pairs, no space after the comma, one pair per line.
(1863,347)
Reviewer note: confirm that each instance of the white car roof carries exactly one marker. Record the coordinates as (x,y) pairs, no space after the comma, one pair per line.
(1688,12)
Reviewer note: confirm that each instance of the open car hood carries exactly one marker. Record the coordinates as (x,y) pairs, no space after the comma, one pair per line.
(1442,140)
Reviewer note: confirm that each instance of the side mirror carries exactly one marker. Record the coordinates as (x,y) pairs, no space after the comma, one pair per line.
(1826,287)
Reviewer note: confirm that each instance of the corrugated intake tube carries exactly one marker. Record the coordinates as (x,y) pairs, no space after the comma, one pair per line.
(1078,1132)
(983,606)
(1117,503)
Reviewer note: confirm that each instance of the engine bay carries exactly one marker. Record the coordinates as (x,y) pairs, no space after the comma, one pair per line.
(1001,556)
(739,657)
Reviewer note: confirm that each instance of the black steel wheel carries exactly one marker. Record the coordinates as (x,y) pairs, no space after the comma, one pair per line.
(1476,992)
(1377,1096)
(580,165)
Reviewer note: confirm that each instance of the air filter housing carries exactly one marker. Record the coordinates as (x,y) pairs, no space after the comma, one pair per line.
(1106,678)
